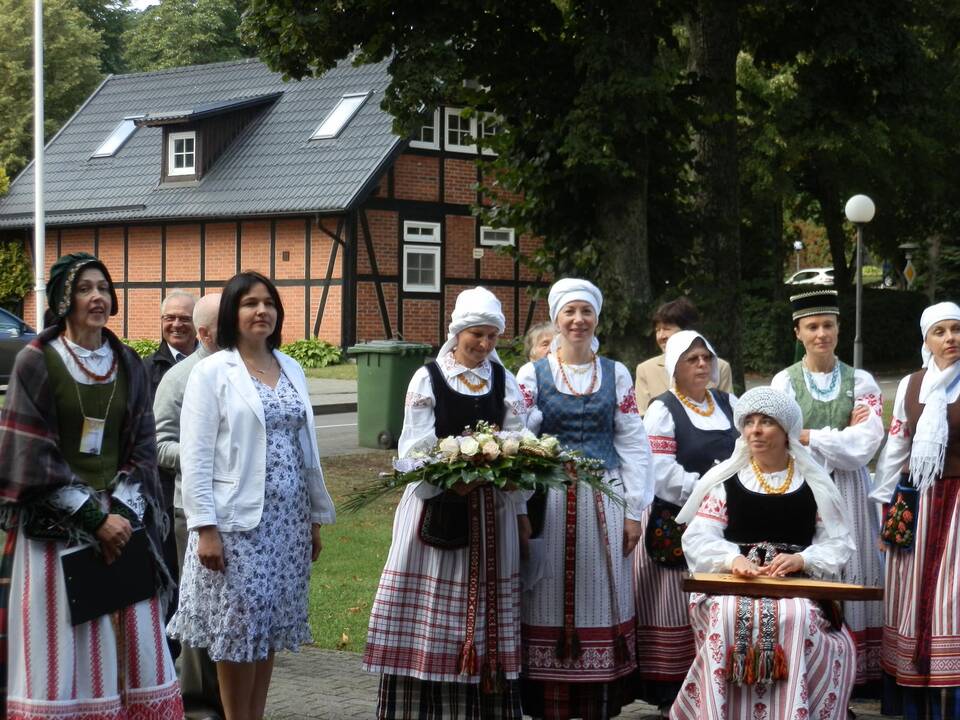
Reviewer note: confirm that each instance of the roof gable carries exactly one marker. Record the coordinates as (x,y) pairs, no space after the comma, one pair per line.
(271,168)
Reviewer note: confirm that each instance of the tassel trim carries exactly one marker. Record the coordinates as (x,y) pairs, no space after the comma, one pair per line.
(467,659)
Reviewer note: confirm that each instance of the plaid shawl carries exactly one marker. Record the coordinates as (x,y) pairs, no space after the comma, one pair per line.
(32,466)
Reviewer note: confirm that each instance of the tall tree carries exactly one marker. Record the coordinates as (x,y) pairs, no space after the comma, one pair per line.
(174,33)
(111,18)
(581,93)
(71,70)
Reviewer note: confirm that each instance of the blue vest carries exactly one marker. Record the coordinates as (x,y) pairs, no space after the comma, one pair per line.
(584,422)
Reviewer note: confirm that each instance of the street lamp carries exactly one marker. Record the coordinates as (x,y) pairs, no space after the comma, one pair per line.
(859,210)
(797,247)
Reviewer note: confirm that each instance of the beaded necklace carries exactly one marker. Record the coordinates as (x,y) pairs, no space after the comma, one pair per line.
(566,380)
(473,386)
(693,406)
(83,368)
(762,479)
(814,389)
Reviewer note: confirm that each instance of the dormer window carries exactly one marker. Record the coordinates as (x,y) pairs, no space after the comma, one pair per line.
(116,139)
(337,119)
(182,153)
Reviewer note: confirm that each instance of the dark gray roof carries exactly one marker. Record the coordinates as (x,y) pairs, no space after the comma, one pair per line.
(207,109)
(272,168)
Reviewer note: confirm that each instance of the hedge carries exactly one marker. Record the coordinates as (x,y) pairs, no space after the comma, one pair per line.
(891,330)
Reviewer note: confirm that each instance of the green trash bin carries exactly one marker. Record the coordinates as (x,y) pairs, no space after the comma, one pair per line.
(384,369)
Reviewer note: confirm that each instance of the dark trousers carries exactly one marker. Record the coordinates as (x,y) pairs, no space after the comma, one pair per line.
(198,673)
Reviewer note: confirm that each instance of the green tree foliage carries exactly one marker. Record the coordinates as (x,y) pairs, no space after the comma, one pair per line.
(588,100)
(184,32)
(111,18)
(16,275)
(71,72)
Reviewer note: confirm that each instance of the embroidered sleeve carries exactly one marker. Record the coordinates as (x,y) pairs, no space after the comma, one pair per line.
(898,428)
(628,403)
(662,445)
(527,396)
(418,400)
(713,508)
(874,401)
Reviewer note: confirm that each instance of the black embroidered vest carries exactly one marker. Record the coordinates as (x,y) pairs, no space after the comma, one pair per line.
(455,411)
(753,517)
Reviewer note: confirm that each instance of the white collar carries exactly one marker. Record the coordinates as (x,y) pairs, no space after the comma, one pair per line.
(101,352)
(451,368)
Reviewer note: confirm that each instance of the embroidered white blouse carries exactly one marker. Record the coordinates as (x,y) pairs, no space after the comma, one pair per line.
(848,448)
(673,483)
(707,550)
(896,453)
(630,438)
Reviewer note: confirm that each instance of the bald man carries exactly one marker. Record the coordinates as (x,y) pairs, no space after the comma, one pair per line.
(198,675)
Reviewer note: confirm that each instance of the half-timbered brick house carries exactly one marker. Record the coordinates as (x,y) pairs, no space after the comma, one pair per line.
(183,177)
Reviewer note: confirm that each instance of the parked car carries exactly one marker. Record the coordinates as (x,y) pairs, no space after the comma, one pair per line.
(812,276)
(14,334)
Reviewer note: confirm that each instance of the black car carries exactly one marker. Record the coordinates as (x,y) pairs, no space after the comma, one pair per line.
(14,334)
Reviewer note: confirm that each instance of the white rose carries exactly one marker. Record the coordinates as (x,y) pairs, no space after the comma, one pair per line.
(550,444)
(483,438)
(528,439)
(449,447)
(511,446)
(491,451)
(469,447)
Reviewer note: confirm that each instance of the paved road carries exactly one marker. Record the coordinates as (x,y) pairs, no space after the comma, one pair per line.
(329,685)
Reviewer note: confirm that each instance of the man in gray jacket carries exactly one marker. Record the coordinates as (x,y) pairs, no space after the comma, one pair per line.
(198,674)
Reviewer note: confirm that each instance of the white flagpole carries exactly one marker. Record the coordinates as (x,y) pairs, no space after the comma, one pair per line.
(39,221)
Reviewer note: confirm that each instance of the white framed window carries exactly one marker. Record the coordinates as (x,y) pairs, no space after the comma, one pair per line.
(428,136)
(115,140)
(488,127)
(496,236)
(416,231)
(337,119)
(421,268)
(182,153)
(460,132)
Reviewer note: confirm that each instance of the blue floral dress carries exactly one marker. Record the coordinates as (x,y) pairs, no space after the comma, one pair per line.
(259,603)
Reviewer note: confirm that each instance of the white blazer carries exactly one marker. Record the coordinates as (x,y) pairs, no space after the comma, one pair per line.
(223,445)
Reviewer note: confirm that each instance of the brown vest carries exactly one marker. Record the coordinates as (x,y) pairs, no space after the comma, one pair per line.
(913,408)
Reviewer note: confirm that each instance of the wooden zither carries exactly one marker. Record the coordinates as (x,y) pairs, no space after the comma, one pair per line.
(788,587)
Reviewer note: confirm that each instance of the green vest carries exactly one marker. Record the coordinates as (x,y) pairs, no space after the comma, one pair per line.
(95,470)
(819,414)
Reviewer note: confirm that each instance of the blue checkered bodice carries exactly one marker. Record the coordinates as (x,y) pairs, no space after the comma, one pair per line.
(580,422)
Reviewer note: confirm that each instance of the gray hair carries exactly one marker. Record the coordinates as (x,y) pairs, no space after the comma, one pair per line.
(175,294)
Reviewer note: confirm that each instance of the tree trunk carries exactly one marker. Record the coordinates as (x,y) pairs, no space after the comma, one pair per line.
(714,43)
(624,271)
(832,216)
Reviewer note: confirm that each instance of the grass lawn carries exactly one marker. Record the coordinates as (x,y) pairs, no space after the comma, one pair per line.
(344,371)
(344,579)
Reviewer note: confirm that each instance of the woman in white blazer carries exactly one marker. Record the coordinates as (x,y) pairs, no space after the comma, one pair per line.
(254,498)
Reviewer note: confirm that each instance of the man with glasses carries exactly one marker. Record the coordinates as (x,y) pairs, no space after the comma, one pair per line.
(178,335)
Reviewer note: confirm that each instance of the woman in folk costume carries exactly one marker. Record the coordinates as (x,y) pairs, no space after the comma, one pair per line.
(690,429)
(445,625)
(770,509)
(78,465)
(843,429)
(578,618)
(921,638)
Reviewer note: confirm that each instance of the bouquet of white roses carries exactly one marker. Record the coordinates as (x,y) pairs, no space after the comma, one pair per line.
(505,459)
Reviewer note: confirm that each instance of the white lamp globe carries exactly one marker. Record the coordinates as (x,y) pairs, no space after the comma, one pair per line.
(859,209)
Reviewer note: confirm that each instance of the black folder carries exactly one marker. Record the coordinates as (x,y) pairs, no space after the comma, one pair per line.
(95,588)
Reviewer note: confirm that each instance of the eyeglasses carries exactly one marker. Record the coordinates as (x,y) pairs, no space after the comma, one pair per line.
(185,319)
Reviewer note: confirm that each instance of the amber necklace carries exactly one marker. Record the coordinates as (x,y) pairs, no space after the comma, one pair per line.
(472,386)
(767,487)
(693,406)
(566,380)
(83,368)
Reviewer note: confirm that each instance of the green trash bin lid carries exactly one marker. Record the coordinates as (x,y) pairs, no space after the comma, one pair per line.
(389,347)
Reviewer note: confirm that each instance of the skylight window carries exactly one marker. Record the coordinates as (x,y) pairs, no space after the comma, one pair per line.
(338,118)
(115,140)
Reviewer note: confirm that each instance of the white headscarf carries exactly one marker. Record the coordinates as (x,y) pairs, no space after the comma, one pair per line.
(678,344)
(783,409)
(567,291)
(476,306)
(929,445)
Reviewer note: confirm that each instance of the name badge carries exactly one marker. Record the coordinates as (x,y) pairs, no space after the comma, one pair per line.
(91,439)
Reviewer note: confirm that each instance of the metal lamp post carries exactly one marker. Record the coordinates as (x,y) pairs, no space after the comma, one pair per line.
(859,210)
(797,247)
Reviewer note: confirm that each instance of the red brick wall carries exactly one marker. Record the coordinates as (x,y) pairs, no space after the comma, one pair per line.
(458,178)
(220,253)
(417,177)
